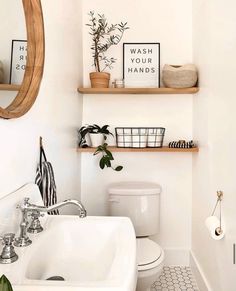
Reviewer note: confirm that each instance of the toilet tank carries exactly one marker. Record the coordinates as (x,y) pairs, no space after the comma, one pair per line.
(140,201)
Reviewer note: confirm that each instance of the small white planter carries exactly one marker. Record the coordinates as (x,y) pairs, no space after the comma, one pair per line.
(97,139)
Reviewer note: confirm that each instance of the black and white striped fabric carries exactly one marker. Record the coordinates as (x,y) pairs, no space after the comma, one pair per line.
(182,144)
(46,182)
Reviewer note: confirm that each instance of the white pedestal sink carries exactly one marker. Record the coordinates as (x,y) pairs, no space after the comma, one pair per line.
(91,254)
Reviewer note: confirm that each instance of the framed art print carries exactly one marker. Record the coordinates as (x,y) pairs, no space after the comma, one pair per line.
(18,61)
(141,65)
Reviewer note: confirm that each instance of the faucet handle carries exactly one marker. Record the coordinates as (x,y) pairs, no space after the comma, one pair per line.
(26,200)
(7,239)
(24,203)
(8,254)
(36,214)
(35,226)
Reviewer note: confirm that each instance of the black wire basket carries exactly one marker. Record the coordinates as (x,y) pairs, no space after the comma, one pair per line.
(139,137)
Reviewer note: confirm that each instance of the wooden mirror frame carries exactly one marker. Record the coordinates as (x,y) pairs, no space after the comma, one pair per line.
(29,88)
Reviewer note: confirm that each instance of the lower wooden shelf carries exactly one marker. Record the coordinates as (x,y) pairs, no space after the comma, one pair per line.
(150,150)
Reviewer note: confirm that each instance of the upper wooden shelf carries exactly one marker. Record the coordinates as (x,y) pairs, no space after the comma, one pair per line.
(9,87)
(162,90)
(151,150)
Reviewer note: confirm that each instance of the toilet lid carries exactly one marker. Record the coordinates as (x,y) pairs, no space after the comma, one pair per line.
(148,252)
(134,188)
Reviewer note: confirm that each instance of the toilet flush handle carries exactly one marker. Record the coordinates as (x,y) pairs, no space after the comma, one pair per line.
(114,200)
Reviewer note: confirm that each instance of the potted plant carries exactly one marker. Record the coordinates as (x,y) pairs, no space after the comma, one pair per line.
(96,133)
(103,37)
(106,158)
(101,147)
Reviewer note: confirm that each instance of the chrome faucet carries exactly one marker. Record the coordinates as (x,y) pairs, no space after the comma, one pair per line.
(33,207)
(35,212)
(8,254)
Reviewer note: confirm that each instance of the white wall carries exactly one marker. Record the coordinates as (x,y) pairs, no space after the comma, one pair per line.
(167,22)
(214,30)
(56,113)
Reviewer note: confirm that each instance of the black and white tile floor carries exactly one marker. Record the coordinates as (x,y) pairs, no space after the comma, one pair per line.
(176,279)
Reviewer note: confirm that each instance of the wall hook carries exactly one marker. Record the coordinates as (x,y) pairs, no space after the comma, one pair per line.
(41,141)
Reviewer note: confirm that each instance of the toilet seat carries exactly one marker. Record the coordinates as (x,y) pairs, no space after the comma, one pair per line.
(149,254)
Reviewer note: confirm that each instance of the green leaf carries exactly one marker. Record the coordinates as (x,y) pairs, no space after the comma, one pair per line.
(102,163)
(109,154)
(119,168)
(107,162)
(5,284)
(98,150)
(104,128)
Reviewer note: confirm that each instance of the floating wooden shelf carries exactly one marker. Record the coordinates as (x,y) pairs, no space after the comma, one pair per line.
(192,90)
(150,150)
(9,87)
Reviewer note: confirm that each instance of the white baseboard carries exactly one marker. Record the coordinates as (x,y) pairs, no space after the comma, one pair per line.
(198,273)
(176,257)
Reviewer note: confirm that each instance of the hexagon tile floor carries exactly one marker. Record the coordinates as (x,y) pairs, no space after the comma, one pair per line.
(176,279)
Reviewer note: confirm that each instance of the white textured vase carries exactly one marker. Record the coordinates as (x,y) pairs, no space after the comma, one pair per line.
(180,76)
(97,139)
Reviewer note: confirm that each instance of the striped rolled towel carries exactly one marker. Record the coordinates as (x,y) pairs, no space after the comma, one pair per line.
(46,182)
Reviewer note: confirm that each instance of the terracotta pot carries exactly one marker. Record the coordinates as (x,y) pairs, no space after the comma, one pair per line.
(99,79)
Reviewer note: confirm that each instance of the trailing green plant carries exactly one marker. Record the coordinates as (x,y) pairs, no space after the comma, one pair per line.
(106,158)
(103,37)
(94,128)
(5,284)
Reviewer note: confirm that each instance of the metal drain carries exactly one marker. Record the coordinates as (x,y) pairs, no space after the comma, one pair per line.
(56,278)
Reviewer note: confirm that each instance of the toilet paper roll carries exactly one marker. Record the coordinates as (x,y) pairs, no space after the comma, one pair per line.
(212,223)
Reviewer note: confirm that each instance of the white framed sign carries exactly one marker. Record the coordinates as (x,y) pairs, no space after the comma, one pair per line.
(18,61)
(141,64)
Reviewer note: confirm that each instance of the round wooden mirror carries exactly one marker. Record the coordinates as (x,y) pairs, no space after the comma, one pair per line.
(27,91)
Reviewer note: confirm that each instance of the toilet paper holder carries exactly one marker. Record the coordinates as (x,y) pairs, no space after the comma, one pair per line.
(220,195)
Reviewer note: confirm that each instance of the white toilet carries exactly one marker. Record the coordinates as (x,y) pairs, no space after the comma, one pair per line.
(140,202)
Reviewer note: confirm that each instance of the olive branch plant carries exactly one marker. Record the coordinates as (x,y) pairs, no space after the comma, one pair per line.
(103,37)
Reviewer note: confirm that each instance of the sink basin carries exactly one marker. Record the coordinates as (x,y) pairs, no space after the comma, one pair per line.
(90,254)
